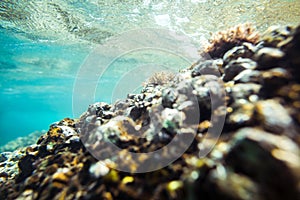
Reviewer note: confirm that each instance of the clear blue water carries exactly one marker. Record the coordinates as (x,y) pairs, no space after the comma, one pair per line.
(43,44)
(36,84)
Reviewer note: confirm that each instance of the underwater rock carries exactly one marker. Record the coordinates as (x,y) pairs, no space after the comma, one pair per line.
(268,57)
(9,167)
(235,67)
(242,114)
(169,97)
(22,142)
(255,149)
(26,167)
(248,76)
(206,67)
(276,36)
(256,156)
(244,91)
(245,51)
(272,80)
(292,48)
(4,156)
(273,116)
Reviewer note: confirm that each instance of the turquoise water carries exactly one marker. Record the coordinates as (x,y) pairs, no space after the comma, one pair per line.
(44,44)
(36,84)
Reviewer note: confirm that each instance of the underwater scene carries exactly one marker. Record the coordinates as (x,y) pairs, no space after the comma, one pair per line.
(195,99)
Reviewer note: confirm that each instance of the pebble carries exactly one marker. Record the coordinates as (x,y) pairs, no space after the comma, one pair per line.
(169,97)
(99,169)
(237,66)
(273,116)
(268,57)
(245,51)
(248,76)
(206,68)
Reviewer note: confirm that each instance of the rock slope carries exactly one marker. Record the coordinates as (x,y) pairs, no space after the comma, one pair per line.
(257,155)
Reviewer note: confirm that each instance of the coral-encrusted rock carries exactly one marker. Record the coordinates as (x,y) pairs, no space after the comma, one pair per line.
(256,157)
(223,41)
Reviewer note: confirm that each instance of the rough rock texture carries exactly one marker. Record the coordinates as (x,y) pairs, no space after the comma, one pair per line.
(256,157)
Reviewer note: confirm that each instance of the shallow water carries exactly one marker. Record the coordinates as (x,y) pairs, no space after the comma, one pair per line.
(44,43)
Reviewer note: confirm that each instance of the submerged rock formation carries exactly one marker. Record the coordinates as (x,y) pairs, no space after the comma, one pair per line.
(21,142)
(256,157)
